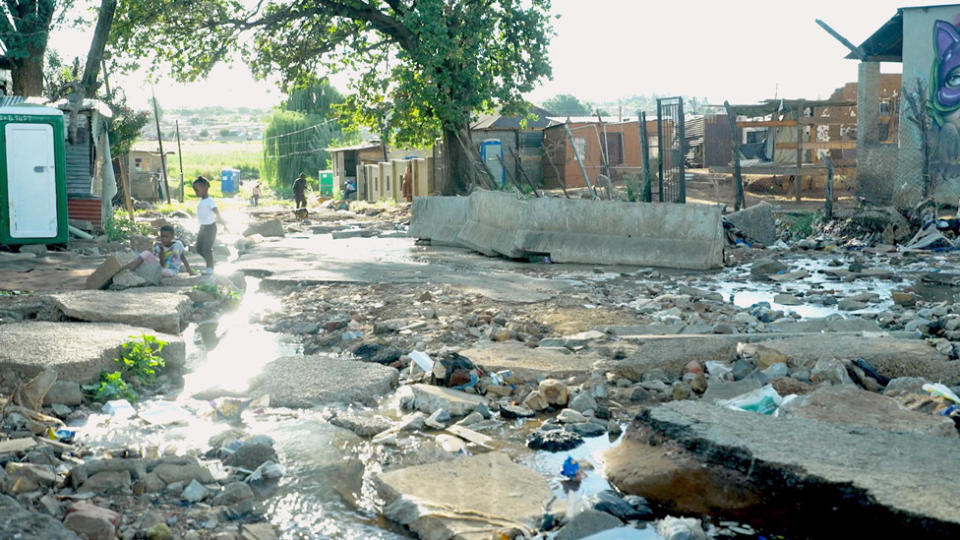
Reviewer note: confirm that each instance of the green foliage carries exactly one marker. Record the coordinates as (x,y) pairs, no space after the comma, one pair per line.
(126,124)
(119,226)
(139,363)
(423,67)
(229,296)
(801,225)
(567,105)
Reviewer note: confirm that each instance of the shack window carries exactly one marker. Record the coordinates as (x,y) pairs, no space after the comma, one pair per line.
(138,164)
(580,147)
(885,107)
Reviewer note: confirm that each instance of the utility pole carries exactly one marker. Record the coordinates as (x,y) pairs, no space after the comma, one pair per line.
(163,157)
(180,154)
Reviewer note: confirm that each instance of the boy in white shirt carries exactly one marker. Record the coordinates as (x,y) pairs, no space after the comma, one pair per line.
(208,216)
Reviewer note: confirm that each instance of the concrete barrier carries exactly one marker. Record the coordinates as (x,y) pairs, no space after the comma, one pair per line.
(439,219)
(610,232)
(492,224)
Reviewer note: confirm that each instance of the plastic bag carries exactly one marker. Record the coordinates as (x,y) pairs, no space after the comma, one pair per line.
(764,400)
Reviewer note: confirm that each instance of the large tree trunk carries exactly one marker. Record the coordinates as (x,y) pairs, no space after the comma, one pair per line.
(95,55)
(462,165)
(28,73)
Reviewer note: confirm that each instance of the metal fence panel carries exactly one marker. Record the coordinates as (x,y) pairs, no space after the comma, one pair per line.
(670,139)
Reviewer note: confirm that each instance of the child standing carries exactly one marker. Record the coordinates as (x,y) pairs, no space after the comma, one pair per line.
(168,253)
(207,216)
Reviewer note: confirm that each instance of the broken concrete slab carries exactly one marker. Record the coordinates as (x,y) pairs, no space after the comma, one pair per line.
(163,312)
(847,404)
(438,219)
(757,223)
(493,221)
(303,382)
(531,364)
(272,227)
(429,399)
(101,277)
(467,498)
(78,351)
(787,473)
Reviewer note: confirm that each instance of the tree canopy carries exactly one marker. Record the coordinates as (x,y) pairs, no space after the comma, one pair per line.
(25,27)
(422,67)
(567,105)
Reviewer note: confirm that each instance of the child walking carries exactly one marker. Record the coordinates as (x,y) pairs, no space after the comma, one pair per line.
(168,253)
(208,216)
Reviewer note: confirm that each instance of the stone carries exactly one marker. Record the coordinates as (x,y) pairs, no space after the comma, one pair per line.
(764,267)
(19,522)
(586,523)
(761,356)
(251,455)
(16,446)
(257,531)
(364,425)
(272,227)
(682,390)
(611,502)
(570,416)
(182,470)
(126,279)
(64,393)
(26,477)
(303,382)
(79,352)
(554,440)
(787,300)
(903,298)
(92,522)
(512,412)
(107,482)
(438,420)
(500,334)
(160,531)
(37,250)
(693,366)
(848,304)
(390,326)
(194,492)
(574,341)
(535,401)
(482,485)
(428,398)
(757,223)
(150,272)
(161,311)
(830,370)
(531,364)
(851,405)
(587,429)
(583,402)
(708,461)
(148,483)
(904,385)
(377,353)
(554,392)
(101,277)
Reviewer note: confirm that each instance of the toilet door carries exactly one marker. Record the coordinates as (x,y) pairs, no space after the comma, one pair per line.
(31,181)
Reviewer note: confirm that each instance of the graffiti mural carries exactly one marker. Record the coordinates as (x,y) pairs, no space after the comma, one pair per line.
(944,100)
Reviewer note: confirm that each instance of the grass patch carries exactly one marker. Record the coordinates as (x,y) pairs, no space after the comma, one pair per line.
(119,226)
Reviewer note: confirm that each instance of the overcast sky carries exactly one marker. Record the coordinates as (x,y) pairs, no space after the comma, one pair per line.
(739,50)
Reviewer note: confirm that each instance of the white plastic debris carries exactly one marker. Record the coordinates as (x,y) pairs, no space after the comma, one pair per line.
(941,390)
(422,360)
(119,408)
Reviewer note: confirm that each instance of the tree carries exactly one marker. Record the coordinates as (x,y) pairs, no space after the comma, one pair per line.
(25,27)
(567,105)
(298,134)
(426,67)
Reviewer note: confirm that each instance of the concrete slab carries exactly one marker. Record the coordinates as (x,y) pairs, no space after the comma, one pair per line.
(493,221)
(787,473)
(78,351)
(468,498)
(847,404)
(531,364)
(161,311)
(429,399)
(757,222)
(303,382)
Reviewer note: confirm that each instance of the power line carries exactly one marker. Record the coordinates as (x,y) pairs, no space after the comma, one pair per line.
(315,126)
(294,153)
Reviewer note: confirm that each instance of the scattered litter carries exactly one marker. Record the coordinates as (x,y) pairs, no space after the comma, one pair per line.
(163,413)
(764,400)
(423,360)
(941,390)
(119,408)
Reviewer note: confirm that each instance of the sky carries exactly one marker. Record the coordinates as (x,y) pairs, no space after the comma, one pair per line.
(604,50)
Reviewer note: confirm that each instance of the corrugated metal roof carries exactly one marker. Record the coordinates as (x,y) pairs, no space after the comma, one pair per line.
(6,101)
(362,146)
(886,44)
(497,121)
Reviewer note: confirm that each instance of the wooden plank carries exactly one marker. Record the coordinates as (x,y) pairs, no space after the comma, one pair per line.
(798,177)
(829,145)
(766,123)
(821,121)
(739,200)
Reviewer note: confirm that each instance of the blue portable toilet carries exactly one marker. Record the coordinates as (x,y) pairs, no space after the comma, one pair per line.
(491,151)
(229,180)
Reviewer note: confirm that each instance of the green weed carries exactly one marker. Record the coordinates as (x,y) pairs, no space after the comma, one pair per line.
(139,363)
(119,226)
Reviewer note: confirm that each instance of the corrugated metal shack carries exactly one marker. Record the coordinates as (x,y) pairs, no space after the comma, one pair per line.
(518,135)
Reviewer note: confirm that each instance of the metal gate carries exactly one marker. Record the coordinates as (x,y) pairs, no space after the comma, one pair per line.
(671,150)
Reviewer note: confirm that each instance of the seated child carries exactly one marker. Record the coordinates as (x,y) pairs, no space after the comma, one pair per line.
(168,253)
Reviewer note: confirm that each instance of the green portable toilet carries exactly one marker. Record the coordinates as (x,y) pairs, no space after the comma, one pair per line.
(327,189)
(33,184)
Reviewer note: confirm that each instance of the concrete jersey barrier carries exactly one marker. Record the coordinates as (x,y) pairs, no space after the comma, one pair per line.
(492,224)
(610,232)
(439,219)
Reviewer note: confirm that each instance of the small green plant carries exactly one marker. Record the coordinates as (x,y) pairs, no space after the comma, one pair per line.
(119,227)
(802,225)
(219,292)
(139,363)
